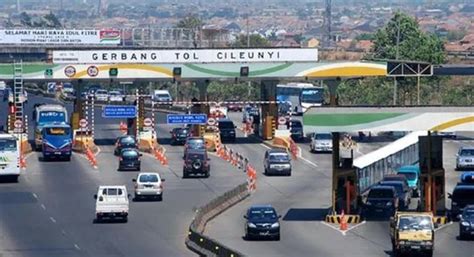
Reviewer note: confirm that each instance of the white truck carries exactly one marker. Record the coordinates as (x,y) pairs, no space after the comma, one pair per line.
(111,202)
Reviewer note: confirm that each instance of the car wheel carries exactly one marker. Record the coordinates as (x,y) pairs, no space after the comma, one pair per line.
(138,168)
(68,159)
(277,238)
(289,174)
(429,253)
(125,219)
(160,197)
(185,174)
(265,172)
(207,175)
(462,236)
(247,237)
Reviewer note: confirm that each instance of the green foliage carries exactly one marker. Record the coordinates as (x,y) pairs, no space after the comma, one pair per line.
(190,22)
(413,44)
(226,91)
(370,91)
(365,36)
(255,41)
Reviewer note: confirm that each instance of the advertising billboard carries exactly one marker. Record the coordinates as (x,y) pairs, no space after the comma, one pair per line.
(60,37)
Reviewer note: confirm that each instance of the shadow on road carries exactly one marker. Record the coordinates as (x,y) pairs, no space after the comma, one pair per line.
(306,214)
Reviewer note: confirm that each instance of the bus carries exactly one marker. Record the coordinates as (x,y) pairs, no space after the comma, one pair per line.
(47,114)
(57,141)
(299,97)
(9,156)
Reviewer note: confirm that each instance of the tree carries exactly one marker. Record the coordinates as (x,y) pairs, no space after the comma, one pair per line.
(255,41)
(413,44)
(192,26)
(25,19)
(401,38)
(52,21)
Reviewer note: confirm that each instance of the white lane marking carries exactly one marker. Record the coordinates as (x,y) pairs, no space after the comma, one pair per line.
(35,196)
(355,226)
(98,151)
(331,226)
(42,206)
(447,225)
(52,219)
(266,146)
(77,247)
(308,161)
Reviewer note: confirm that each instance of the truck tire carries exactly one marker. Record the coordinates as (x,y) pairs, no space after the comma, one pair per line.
(185,174)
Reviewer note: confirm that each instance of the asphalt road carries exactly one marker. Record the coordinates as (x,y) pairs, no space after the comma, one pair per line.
(50,211)
(303,200)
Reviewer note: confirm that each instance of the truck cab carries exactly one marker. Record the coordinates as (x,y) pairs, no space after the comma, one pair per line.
(111,203)
(412,173)
(412,232)
(45,114)
(56,141)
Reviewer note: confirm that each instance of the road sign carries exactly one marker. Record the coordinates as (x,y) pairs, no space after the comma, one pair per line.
(281,121)
(83,123)
(211,122)
(119,111)
(187,119)
(147,122)
(18,124)
(93,71)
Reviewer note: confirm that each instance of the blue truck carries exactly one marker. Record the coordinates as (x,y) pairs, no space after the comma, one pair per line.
(57,141)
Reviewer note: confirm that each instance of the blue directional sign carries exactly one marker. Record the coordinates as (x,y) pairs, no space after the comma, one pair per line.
(119,111)
(187,118)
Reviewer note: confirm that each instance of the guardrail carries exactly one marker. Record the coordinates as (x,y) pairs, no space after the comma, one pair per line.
(204,245)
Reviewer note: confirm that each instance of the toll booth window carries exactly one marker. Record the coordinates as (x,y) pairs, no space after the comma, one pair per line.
(7,144)
(57,131)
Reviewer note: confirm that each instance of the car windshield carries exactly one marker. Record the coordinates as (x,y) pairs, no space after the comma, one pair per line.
(196,144)
(7,144)
(127,140)
(262,213)
(226,125)
(101,92)
(57,131)
(398,187)
(279,157)
(162,95)
(114,93)
(415,223)
(130,154)
(467,152)
(148,178)
(182,132)
(409,175)
(463,194)
(380,193)
(296,124)
(323,136)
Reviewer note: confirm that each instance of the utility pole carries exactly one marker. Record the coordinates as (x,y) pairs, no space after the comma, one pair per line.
(248,45)
(396,58)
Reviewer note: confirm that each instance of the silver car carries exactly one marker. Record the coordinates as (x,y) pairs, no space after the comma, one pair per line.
(321,142)
(149,185)
(465,158)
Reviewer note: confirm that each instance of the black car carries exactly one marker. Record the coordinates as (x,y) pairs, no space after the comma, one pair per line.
(381,201)
(196,162)
(277,161)
(466,222)
(179,135)
(296,130)
(403,192)
(194,143)
(227,130)
(129,159)
(462,196)
(262,222)
(125,142)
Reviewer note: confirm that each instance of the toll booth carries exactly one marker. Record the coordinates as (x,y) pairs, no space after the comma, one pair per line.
(433,191)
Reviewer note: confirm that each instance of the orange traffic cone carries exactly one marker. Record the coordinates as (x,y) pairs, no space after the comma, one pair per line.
(343,223)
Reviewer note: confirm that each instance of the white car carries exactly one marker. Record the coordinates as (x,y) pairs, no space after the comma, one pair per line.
(321,142)
(149,185)
(111,202)
(116,96)
(101,95)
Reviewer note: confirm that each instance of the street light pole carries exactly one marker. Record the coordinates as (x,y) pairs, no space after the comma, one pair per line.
(396,58)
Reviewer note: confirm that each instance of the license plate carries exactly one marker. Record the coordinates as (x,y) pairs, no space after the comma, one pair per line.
(57,152)
(415,247)
(263,233)
(148,186)
(379,210)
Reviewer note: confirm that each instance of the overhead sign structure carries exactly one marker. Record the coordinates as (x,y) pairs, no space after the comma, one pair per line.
(60,37)
(186,56)
(119,111)
(199,119)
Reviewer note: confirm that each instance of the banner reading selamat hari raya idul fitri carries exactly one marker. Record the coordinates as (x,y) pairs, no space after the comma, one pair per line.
(60,37)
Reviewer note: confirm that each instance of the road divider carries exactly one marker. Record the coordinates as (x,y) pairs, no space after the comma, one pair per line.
(204,245)
(440,220)
(343,218)
(91,157)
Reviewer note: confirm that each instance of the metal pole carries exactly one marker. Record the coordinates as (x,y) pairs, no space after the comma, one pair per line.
(418,90)
(93,118)
(152,121)
(138,113)
(396,58)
